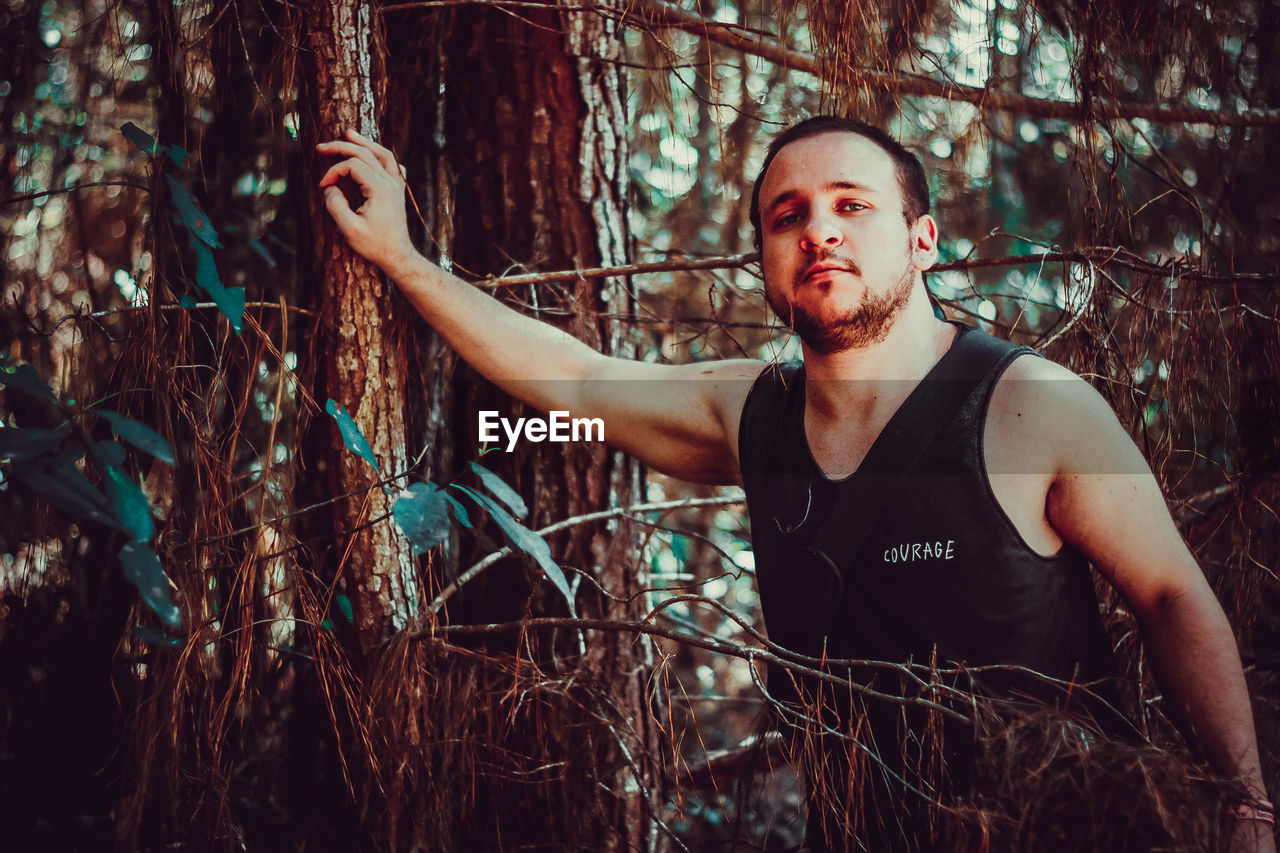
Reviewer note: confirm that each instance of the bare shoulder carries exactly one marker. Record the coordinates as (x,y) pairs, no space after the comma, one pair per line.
(1101,495)
(1032,382)
(1050,414)
(1049,436)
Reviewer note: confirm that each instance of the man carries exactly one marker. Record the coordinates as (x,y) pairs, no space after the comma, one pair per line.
(845,236)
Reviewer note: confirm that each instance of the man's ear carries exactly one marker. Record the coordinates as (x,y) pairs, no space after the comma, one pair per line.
(924,243)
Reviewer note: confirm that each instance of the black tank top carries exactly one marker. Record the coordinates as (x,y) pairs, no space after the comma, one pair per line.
(944,567)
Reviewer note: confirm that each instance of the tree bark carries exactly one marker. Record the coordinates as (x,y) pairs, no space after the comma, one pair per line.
(360,347)
(537,145)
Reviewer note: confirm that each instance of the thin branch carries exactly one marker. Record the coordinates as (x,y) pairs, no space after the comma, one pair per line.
(730,262)
(652,12)
(1100,255)
(614,512)
(176,307)
(303,510)
(74,188)
(747,653)
(1106,256)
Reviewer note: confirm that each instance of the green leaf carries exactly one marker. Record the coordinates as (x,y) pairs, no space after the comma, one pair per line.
(187,302)
(139,435)
(24,378)
(351,435)
(139,137)
(344,606)
(130,504)
(422,511)
(152,637)
(108,453)
(459,511)
(148,143)
(256,245)
(142,568)
(230,300)
(680,548)
(22,444)
(523,539)
(501,490)
(57,480)
(192,216)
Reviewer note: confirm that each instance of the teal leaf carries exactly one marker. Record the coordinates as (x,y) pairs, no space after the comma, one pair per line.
(148,143)
(139,137)
(142,568)
(351,435)
(680,548)
(344,605)
(230,300)
(256,245)
(139,435)
(523,539)
(326,624)
(187,302)
(108,453)
(153,637)
(130,504)
(459,511)
(501,490)
(422,511)
(27,443)
(24,378)
(192,216)
(57,480)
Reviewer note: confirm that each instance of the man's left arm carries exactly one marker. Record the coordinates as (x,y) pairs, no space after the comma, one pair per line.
(1104,500)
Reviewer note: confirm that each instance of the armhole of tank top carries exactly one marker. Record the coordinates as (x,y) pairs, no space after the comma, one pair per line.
(1000,368)
(744,419)
(772,373)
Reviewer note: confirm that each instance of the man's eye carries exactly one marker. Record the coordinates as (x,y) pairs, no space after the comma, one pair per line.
(789,219)
(852,205)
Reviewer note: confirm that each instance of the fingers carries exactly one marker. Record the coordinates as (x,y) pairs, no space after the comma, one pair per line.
(365,149)
(357,152)
(375,227)
(383,155)
(362,173)
(336,203)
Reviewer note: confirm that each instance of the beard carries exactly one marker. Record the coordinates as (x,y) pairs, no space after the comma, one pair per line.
(860,327)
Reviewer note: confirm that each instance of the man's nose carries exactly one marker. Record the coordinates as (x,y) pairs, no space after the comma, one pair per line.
(821,232)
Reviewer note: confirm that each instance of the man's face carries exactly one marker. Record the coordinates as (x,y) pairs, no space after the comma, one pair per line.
(839,258)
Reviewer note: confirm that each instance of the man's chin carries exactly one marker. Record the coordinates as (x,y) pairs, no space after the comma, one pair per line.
(831,333)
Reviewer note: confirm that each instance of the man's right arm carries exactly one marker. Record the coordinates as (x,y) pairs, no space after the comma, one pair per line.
(679,419)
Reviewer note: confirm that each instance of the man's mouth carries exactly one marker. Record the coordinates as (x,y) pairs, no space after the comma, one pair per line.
(823,267)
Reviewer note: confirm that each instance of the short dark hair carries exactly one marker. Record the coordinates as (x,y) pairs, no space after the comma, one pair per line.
(911,177)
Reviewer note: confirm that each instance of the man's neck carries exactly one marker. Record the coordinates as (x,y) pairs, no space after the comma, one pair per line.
(858,383)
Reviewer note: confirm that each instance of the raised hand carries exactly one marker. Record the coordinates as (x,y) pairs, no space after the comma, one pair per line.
(377,229)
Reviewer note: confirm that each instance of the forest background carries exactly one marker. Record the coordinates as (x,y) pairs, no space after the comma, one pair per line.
(255,593)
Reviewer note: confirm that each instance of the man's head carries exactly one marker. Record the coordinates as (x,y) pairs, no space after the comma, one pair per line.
(911,177)
(840,211)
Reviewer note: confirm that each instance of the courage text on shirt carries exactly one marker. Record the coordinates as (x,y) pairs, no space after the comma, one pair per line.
(909,552)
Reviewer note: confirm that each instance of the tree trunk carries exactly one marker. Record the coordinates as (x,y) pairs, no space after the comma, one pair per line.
(536,142)
(360,344)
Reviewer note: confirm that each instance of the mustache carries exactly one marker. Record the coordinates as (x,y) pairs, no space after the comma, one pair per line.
(827,256)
